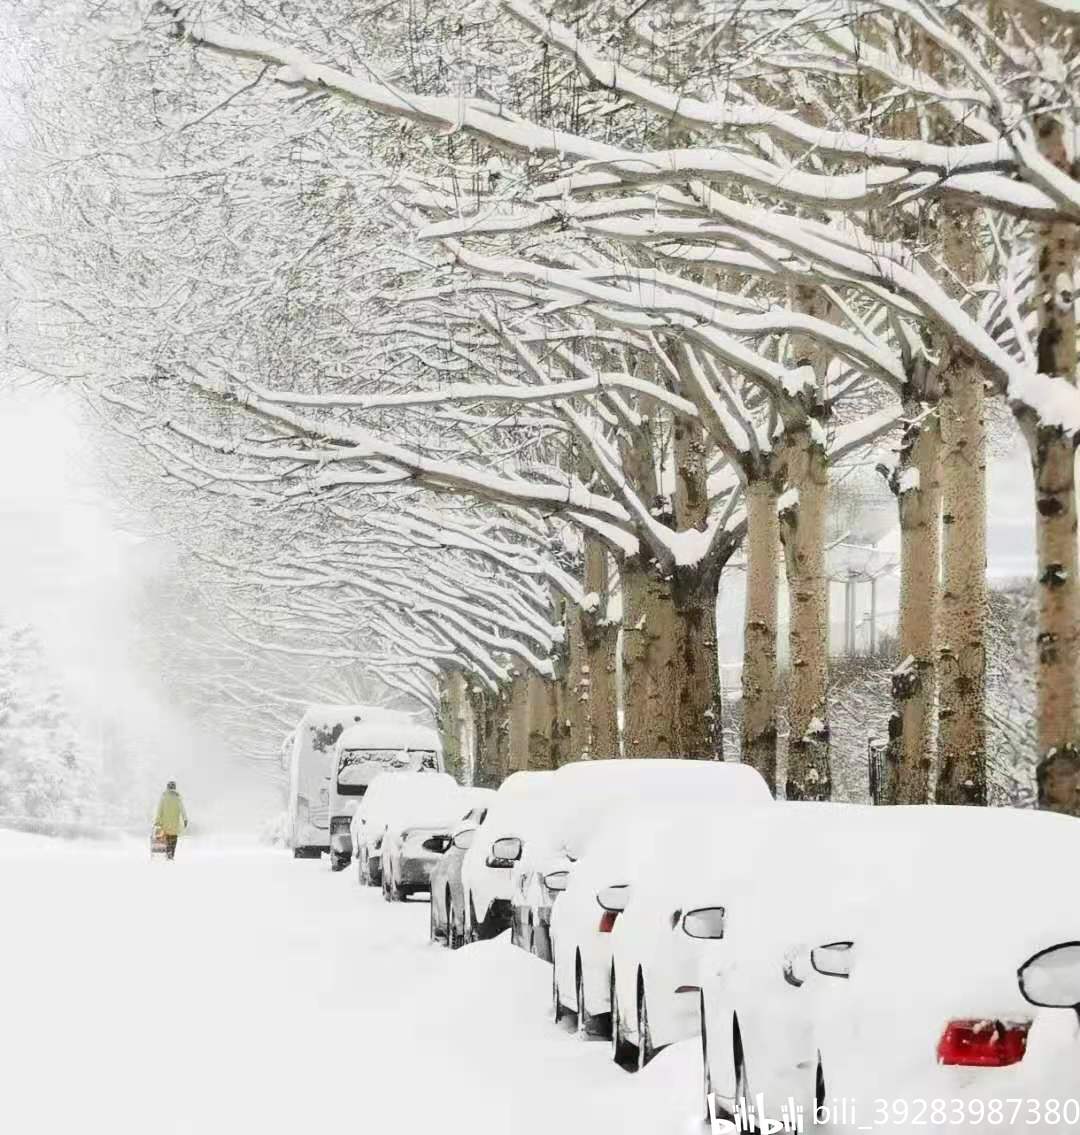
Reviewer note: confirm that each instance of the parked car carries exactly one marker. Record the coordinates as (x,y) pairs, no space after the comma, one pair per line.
(485,868)
(447,893)
(655,962)
(899,955)
(628,843)
(383,795)
(419,817)
(381,741)
(584,796)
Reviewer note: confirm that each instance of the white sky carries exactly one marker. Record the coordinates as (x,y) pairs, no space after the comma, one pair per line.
(66,569)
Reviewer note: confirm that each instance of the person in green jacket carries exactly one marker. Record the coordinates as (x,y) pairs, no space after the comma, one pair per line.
(171,817)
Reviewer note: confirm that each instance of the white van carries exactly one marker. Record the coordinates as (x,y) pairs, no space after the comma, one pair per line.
(383,744)
(313,742)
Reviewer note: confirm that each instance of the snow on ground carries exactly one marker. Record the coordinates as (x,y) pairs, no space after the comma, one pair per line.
(238,990)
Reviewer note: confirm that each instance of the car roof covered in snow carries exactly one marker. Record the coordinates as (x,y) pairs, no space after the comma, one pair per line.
(585,796)
(392,734)
(327,713)
(413,799)
(907,873)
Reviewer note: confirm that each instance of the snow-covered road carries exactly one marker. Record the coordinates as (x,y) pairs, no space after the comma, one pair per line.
(239,991)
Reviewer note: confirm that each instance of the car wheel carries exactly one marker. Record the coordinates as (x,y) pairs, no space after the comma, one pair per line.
(744,1102)
(472,931)
(622,1050)
(706,1072)
(453,942)
(645,1050)
(584,1021)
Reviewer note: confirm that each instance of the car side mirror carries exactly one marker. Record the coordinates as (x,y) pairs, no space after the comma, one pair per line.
(436,843)
(505,852)
(464,840)
(614,899)
(557,880)
(1051,979)
(834,959)
(707,922)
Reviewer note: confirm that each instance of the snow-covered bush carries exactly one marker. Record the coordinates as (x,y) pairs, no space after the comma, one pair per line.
(48,766)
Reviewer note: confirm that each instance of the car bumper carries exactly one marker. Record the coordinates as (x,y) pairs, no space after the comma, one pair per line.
(415,870)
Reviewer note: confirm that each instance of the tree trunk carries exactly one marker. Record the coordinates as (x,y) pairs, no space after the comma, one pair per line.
(670,669)
(962,622)
(453,713)
(486,715)
(647,648)
(1054,465)
(575,692)
(759,644)
(803,529)
(543,720)
(600,641)
(695,676)
(500,711)
(519,721)
(917,486)
(696,670)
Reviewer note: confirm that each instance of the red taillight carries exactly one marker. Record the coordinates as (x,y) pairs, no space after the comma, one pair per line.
(983,1044)
(607,921)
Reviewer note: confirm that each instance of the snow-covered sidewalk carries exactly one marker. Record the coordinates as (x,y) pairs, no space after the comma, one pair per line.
(239,991)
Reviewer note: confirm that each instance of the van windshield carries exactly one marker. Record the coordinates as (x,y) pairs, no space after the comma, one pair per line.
(358,767)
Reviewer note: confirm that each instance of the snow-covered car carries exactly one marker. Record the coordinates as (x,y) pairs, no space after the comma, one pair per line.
(417,811)
(581,928)
(892,957)
(447,894)
(629,842)
(585,796)
(497,845)
(381,741)
(654,961)
(369,824)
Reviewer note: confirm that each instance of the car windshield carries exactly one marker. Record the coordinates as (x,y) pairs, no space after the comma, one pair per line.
(356,767)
